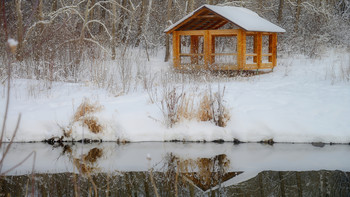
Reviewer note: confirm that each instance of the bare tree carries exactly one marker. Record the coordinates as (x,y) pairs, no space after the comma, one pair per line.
(297,16)
(141,22)
(280,11)
(260,6)
(167,39)
(54,5)
(19,30)
(102,17)
(114,19)
(3,12)
(190,6)
(122,17)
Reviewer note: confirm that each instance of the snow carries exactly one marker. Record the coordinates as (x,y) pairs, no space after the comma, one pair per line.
(12,42)
(303,100)
(240,16)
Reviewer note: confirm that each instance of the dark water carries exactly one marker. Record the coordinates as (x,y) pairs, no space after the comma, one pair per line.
(178,169)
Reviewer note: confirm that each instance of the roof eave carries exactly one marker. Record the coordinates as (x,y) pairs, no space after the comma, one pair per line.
(178,24)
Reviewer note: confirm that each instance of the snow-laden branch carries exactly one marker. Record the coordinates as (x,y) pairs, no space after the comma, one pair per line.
(63,10)
(101,6)
(31,28)
(103,25)
(112,2)
(132,5)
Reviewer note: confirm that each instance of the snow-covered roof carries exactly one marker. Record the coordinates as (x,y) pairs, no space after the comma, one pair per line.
(242,17)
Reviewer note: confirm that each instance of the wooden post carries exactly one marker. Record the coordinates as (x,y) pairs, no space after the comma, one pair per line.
(255,48)
(259,49)
(176,50)
(273,49)
(194,49)
(241,49)
(207,47)
(270,47)
(212,49)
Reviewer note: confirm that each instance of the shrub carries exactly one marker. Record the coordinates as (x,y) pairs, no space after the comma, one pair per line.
(178,106)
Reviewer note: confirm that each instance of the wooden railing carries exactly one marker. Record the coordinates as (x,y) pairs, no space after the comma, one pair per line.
(206,58)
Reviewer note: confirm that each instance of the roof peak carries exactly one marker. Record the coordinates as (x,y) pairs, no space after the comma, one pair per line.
(243,17)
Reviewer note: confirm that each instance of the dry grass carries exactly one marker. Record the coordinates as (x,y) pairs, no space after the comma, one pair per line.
(204,111)
(86,108)
(186,109)
(209,108)
(93,125)
(85,115)
(93,155)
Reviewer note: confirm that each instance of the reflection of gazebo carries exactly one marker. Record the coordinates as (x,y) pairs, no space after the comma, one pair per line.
(200,40)
(215,180)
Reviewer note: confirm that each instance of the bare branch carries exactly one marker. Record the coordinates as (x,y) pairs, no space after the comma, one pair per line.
(103,25)
(98,44)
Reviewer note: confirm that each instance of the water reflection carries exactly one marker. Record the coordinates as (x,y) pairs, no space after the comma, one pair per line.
(177,169)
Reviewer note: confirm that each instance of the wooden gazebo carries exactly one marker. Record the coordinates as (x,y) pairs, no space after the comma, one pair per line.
(224,38)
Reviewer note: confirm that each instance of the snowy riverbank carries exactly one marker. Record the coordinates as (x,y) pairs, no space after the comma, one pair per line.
(302,100)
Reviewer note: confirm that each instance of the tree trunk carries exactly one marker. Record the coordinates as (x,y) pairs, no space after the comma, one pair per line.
(102,18)
(3,12)
(141,22)
(190,6)
(148,15)
(82,33)
(260,8)
(282,185)
(37,44)
(54,5)
(167,39)
(297,16)
(114,18)
(19,53)
(121,27)
(280,11)
(92,14)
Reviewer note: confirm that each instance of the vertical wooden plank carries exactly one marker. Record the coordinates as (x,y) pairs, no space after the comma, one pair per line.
(274,49)
(255,58)
(241,49)
(259,49)
(207,47)
(212,49)
(194,49)
(176,50)
(270,47)
(244,46)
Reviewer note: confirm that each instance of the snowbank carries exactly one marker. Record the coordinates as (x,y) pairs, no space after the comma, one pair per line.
(302,100)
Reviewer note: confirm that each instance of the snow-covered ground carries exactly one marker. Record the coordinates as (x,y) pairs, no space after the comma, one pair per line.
(302,100)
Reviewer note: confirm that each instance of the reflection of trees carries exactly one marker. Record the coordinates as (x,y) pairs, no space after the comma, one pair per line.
(86,164)
(310,183)
(290,183)
(177,177)
(201,173)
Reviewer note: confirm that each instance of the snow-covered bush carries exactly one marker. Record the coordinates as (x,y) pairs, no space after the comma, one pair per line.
(84,115)
(207,106)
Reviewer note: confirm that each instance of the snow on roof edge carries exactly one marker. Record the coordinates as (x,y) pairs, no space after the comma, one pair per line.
(269,26)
